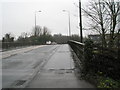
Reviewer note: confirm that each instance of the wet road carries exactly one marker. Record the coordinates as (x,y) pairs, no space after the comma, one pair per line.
(44,67)
(19,68)
(58,72)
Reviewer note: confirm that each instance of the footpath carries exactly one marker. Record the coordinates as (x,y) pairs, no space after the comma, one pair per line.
(59,72)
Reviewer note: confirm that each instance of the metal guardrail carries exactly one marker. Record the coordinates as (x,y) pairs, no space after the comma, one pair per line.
(78,48)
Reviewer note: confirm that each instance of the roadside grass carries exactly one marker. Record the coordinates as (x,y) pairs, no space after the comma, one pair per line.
(100,81)
(106,82)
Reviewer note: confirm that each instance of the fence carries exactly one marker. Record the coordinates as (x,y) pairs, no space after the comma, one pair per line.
(78,48)
(7,45)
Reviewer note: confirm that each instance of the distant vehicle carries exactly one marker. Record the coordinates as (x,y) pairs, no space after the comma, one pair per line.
(48,42)
(53,43)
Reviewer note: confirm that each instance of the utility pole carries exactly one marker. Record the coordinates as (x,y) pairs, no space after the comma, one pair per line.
(80,24)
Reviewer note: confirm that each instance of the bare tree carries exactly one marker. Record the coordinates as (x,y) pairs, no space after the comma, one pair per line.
(46,31)
(113,10)
(24,35)
(103,16)
(8,38)
(96,13)
(37,31)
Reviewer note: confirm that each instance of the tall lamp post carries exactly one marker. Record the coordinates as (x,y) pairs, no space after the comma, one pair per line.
(81,36)
(69,20)
(35,17)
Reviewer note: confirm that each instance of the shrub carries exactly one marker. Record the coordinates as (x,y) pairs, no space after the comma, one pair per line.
(88,54)
(107,83)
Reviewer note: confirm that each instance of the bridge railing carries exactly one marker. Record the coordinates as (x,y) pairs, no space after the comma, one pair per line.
(94,59)
(78,48)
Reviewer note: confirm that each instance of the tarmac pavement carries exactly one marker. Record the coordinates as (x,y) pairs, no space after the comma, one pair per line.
(20,66)
(59,72)
(49,66)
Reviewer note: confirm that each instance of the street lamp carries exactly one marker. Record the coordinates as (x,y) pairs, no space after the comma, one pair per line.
(81,39)
(69,21)
(35,17)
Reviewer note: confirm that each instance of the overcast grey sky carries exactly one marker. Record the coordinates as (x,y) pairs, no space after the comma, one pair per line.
(18,16)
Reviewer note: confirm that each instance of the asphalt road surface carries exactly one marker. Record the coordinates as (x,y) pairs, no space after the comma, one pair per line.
(49,66)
